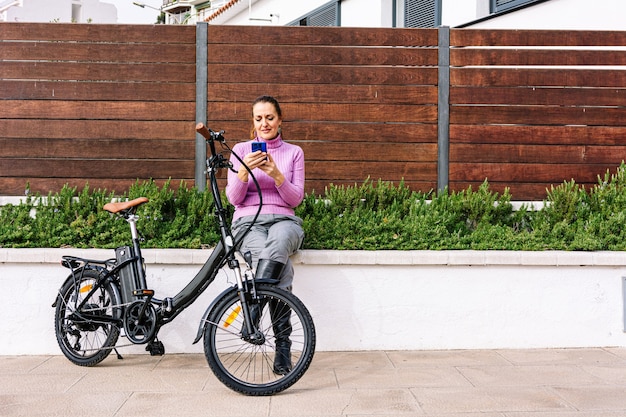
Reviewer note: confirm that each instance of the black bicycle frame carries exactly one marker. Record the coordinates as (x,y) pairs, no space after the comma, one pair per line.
(171,307)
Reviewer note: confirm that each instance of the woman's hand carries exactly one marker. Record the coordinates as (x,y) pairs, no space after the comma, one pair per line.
(265,163)
(270,168)
(252,160)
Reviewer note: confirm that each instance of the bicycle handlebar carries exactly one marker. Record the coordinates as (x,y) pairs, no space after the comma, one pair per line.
(209,134)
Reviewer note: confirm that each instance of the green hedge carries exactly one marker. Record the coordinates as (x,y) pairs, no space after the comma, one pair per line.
(370,216)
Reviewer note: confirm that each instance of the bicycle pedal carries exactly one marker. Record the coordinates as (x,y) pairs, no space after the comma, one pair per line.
(156,348)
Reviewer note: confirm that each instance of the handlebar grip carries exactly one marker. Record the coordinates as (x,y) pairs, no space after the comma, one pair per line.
(202,129)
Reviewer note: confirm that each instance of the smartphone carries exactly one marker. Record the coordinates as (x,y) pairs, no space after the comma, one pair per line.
(259,146)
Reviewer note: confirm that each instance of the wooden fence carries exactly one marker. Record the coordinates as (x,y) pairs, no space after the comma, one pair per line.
(535,108)
(103,104)
(109,104)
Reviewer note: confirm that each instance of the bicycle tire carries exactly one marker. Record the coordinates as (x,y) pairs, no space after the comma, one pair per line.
(245,367)
(86,342)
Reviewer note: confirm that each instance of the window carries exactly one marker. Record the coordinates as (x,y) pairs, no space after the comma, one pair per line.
(326,15)
(502,5)
(420,13)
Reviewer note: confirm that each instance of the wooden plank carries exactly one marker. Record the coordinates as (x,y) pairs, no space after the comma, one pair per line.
(97,110)
(17,186)
(359,171)
(375,132)
(184,150)
(508,37)
(98,52)
(533,154)
(97,148)
(525,77)
(525,172)
(331,152)
(312,93)
(95,168)
(539,96)
(98,71)
(96,129)
(77,32)
(538,115)
(311,74)
(320,55)
(556,135)
(541,57)
(69,90)
(331,112)
(339,36)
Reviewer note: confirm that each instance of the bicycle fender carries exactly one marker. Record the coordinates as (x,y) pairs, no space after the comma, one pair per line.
(205,316)
(70,277)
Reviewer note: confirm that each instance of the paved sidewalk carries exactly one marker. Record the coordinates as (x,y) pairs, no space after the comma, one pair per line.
(480,383)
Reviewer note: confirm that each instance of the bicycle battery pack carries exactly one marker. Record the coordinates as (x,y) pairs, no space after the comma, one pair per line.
(129,278)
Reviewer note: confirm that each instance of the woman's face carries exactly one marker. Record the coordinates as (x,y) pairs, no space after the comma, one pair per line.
(266,120)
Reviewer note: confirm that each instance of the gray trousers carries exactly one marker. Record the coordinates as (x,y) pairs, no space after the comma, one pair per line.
(275,237)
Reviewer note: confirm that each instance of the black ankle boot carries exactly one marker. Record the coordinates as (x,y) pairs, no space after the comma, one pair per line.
(281,323)
(269,270)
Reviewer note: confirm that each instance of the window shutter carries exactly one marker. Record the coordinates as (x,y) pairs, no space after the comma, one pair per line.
(326,15)
(501,5)
(421,14)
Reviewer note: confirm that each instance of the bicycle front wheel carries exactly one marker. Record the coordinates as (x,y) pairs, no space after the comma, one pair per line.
(87,334)
(269,365)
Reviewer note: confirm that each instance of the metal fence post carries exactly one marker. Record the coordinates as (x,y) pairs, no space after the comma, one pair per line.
(443,110)
(201,101)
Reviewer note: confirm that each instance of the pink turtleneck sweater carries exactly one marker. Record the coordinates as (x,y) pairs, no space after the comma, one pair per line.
(289,159)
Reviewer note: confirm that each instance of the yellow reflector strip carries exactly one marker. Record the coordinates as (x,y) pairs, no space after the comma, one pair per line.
(86,288)
(231,318)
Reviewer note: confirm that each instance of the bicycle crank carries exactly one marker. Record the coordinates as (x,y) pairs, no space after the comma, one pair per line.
(140,329)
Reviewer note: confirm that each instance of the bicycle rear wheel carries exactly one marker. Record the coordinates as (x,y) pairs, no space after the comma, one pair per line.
(86,336)
(248,367)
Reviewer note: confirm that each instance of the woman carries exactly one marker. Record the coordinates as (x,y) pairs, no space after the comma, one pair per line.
(277,233)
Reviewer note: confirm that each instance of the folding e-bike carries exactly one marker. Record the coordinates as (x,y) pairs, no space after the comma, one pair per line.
(102,300)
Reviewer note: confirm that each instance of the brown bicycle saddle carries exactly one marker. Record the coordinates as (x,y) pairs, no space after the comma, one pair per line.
(124,205)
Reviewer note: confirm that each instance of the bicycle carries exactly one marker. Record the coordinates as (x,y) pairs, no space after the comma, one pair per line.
(103,300)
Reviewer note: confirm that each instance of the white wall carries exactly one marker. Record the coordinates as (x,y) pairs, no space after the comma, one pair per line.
(288,10)
(364,300)
(456,12)
(365,13)
(354,13)
(563,14)
(553,14)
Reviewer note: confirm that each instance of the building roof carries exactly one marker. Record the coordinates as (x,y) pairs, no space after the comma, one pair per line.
(221,10)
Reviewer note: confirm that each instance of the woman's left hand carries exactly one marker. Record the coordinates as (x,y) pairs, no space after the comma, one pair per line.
(270,168)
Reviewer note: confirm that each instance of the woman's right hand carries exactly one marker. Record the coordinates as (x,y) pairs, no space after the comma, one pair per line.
(252,160)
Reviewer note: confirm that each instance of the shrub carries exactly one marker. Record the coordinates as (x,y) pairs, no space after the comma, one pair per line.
(369,216)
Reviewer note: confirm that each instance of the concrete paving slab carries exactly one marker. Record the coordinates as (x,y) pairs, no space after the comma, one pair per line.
(482,383)
(531,375)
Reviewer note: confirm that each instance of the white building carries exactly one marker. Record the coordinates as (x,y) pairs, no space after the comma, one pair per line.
(496,14)
(99,11)
(60,11)
(501,14)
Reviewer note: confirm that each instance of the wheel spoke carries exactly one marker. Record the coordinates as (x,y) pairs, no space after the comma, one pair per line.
(87,339)
(247,365)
